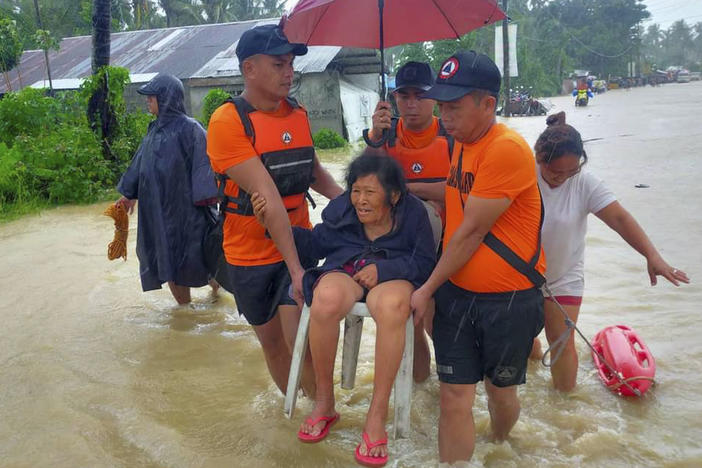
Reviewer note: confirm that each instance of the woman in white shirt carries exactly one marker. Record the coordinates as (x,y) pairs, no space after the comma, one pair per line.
(570,195)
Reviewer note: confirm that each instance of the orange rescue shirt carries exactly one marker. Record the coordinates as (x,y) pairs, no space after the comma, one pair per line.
(245,242)
(417,140)
(499,165)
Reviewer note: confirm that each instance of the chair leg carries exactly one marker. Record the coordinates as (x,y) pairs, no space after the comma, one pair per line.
(297,362)
(403,385)
(353,327)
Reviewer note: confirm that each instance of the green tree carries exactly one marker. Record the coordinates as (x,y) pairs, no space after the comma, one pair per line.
(679,44)
(10,49)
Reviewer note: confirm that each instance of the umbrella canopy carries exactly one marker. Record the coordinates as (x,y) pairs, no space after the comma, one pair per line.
(376,24)
(356,23)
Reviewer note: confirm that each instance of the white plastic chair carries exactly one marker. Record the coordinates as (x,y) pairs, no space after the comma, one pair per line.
(353,327)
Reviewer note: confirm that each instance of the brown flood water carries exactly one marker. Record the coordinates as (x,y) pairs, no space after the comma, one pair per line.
(95,373)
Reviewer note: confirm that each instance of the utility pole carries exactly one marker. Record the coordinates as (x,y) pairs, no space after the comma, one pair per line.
(505,60)
(46,51)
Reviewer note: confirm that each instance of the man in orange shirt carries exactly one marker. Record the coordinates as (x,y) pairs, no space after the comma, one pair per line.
(487,312)
(261,142)
(418,141)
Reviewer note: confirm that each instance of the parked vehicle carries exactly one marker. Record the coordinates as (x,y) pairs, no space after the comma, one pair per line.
(683,76)
(521,103)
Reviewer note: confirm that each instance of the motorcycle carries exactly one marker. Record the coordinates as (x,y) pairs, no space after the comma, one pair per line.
(582,97)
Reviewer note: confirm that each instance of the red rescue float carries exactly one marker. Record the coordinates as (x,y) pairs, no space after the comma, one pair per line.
(627,355)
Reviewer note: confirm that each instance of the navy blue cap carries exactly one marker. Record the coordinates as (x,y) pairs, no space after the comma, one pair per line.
(414,75)
(463,72)
(268,39)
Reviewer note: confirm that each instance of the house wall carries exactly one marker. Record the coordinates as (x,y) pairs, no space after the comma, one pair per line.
(197,88)
(365,80)
(319,93)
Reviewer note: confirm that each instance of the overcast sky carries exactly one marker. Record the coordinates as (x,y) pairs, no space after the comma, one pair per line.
(666,12)
(663,12)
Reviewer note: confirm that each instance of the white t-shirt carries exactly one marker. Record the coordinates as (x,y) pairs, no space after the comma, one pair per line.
(565,223)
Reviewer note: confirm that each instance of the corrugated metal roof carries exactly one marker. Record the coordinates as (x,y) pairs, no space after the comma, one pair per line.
(186,52)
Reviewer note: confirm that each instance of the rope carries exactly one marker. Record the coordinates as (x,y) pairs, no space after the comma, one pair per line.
(614,387)
(562,340)
(118,247)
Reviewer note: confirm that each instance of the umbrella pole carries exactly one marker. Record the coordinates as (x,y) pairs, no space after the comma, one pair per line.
(383,88)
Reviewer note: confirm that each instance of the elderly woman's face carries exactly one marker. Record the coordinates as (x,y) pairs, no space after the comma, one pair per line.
(370,201)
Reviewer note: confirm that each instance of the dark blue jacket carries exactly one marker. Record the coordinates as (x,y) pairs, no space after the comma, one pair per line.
(408,250)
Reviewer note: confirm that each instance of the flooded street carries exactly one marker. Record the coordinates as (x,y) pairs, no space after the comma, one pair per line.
(95,373)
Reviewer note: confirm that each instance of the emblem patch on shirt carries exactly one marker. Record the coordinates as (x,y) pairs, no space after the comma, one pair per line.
(286,137)
(417,167)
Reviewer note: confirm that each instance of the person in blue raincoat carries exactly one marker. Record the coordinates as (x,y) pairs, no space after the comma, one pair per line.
(171,177)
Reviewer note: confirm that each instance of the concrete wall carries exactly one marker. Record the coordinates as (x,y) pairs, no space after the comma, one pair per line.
(319,93)
(365,80)
(197,88)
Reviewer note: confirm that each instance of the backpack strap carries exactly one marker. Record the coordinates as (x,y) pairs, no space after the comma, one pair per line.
(243,108)
(449,139)
(508,255)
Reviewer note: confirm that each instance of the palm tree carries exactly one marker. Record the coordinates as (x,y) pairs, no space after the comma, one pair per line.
(101,34)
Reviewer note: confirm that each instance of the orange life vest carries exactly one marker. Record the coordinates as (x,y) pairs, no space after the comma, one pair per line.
(286,150)
(428,164)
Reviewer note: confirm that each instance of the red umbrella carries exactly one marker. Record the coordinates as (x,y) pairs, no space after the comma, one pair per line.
(376,24)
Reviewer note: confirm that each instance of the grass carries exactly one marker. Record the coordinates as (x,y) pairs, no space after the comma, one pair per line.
(12,211)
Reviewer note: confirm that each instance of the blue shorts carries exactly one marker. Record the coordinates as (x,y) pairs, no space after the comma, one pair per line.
(485,334)
(259,290)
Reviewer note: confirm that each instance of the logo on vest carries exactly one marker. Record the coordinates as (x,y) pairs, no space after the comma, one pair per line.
(417,168)
(448,69)
(286,137)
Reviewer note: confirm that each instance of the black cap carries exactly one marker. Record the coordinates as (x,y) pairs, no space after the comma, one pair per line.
(414,75)
(268,39)
(159,84)
(463,72)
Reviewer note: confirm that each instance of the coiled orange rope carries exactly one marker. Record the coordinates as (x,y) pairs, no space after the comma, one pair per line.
(118,247)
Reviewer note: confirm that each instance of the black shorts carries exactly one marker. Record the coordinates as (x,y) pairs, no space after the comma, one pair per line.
(259,290)
(485,334)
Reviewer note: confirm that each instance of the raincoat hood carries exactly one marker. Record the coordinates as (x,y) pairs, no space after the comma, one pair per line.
(169,93)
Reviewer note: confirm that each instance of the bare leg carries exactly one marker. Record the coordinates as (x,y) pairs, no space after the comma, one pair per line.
(275,350)
(564,371)
(504,408)
(388,304)
(333,298)
(422,357)
(456,425)
(536,351)
(180,293)
(290,319)
(214,285)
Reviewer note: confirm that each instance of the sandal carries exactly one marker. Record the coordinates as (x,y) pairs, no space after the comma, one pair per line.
(311,439)
(370,460)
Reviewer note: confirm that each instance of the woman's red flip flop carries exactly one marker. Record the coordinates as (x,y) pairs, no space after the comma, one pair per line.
(369,460)
(311,439)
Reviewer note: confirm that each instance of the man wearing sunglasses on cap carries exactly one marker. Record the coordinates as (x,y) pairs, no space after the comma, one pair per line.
(487,312)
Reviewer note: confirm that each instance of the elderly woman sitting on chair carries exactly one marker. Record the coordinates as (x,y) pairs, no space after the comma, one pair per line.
(378,246)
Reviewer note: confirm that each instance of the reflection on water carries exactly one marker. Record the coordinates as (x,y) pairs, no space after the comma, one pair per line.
(95,373)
